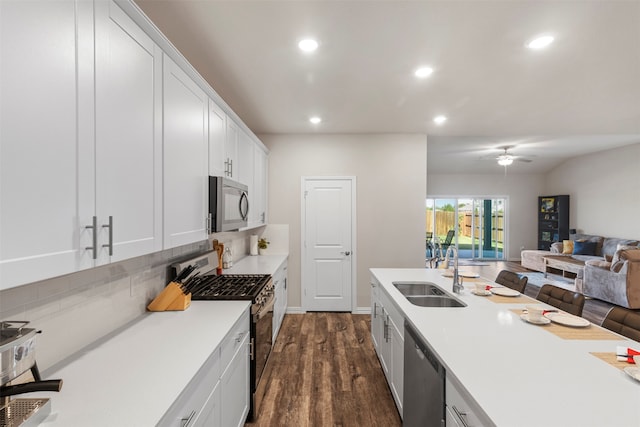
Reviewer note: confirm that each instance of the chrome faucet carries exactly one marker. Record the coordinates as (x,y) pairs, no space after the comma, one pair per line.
(457,285)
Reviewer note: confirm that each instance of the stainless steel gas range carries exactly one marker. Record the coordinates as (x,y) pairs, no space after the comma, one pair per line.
(204,284)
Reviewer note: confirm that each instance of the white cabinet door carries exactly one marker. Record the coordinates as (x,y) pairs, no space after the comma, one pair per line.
(231,149)
(128,90)
(45,82)
(280,306)
(258,216)
(235,387)
(217,140)
(396,341)
(245,164)
(185,158)
(377,320)
(210,415)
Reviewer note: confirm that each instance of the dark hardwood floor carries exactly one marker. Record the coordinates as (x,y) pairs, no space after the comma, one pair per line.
(323,371)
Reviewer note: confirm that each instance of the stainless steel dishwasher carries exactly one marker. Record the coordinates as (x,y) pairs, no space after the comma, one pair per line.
(424,379)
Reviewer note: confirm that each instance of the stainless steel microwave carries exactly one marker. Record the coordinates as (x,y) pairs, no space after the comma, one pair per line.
(228,204)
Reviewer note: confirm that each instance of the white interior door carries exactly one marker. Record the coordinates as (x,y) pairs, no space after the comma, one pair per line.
(327,244)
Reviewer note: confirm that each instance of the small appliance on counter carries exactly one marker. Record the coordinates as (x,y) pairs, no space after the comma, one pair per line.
(17,356)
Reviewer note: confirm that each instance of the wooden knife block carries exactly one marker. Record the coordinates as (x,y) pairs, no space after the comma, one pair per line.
(170,299)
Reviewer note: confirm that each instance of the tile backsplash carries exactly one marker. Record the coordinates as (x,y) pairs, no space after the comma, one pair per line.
(75,310)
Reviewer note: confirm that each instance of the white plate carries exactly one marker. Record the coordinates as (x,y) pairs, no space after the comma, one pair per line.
(484,293)
(567,319)
(467,274)
(505,292)
(541,321)
(633,372)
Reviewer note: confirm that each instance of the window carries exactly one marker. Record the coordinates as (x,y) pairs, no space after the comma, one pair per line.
(478,224)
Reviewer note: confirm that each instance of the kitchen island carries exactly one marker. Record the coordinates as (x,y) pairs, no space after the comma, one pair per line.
(516,373)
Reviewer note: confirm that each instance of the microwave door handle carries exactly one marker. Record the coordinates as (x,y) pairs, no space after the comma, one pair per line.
(244,203)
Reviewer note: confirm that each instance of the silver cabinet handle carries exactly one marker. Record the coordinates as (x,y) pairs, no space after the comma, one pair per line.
(94,244)
(375,310)
(186,421)
(209,222)
(347,253)
(462,416)
(230,167)
(110,227)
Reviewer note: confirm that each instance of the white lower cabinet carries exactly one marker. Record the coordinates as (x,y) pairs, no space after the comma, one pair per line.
(219,393)
(387,333)
(280,291)
(235,386)
(462,411)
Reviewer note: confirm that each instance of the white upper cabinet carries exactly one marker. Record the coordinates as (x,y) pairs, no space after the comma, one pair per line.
(258,212)
(243,170)
(186,109)
(231,149)
(217,140)
(128,90)
(43,77)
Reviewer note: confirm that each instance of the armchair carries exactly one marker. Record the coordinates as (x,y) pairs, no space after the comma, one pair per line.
(617,282)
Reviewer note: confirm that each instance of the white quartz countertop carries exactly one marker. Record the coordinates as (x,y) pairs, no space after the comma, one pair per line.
(519,373)
(131,378)
(258,264)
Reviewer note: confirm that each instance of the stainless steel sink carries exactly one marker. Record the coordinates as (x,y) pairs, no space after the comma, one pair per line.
(427,294)
(444,301)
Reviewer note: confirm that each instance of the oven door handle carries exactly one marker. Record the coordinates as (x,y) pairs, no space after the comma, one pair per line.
(265,308)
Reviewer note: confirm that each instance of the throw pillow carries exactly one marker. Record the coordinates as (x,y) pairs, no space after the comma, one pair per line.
(584,248)
(567,246)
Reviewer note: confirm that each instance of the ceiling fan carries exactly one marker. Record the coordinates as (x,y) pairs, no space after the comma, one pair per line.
(505,159)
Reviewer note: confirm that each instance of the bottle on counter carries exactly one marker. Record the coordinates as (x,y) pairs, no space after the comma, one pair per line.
(227,258)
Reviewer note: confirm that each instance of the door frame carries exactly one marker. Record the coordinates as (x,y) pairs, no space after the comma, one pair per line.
(303,249)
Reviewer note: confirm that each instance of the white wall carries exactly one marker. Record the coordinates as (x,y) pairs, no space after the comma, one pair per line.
(521,191)
(390,173)
(604,189)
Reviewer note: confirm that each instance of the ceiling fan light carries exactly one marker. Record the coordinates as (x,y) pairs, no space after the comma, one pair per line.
(505,160)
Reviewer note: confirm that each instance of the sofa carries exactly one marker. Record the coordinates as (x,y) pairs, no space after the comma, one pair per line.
(611,272)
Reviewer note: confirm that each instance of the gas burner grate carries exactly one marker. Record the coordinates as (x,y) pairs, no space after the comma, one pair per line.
(230,286)
(24,412)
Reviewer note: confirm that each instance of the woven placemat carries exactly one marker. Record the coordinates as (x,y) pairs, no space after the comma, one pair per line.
(591,332)
(611,359)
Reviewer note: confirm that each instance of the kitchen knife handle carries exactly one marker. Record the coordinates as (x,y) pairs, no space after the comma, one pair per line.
(94,244)
(110,227)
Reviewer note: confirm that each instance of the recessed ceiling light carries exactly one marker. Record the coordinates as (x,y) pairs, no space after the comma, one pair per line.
(315,120)
(540,42)
(423,72)
(439,119)
(308,45)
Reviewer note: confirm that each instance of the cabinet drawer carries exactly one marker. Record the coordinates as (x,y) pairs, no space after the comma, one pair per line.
(194,397)
(463,409)
(233,340)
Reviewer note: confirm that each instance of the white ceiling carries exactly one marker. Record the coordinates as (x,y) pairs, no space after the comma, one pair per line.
(579,96)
